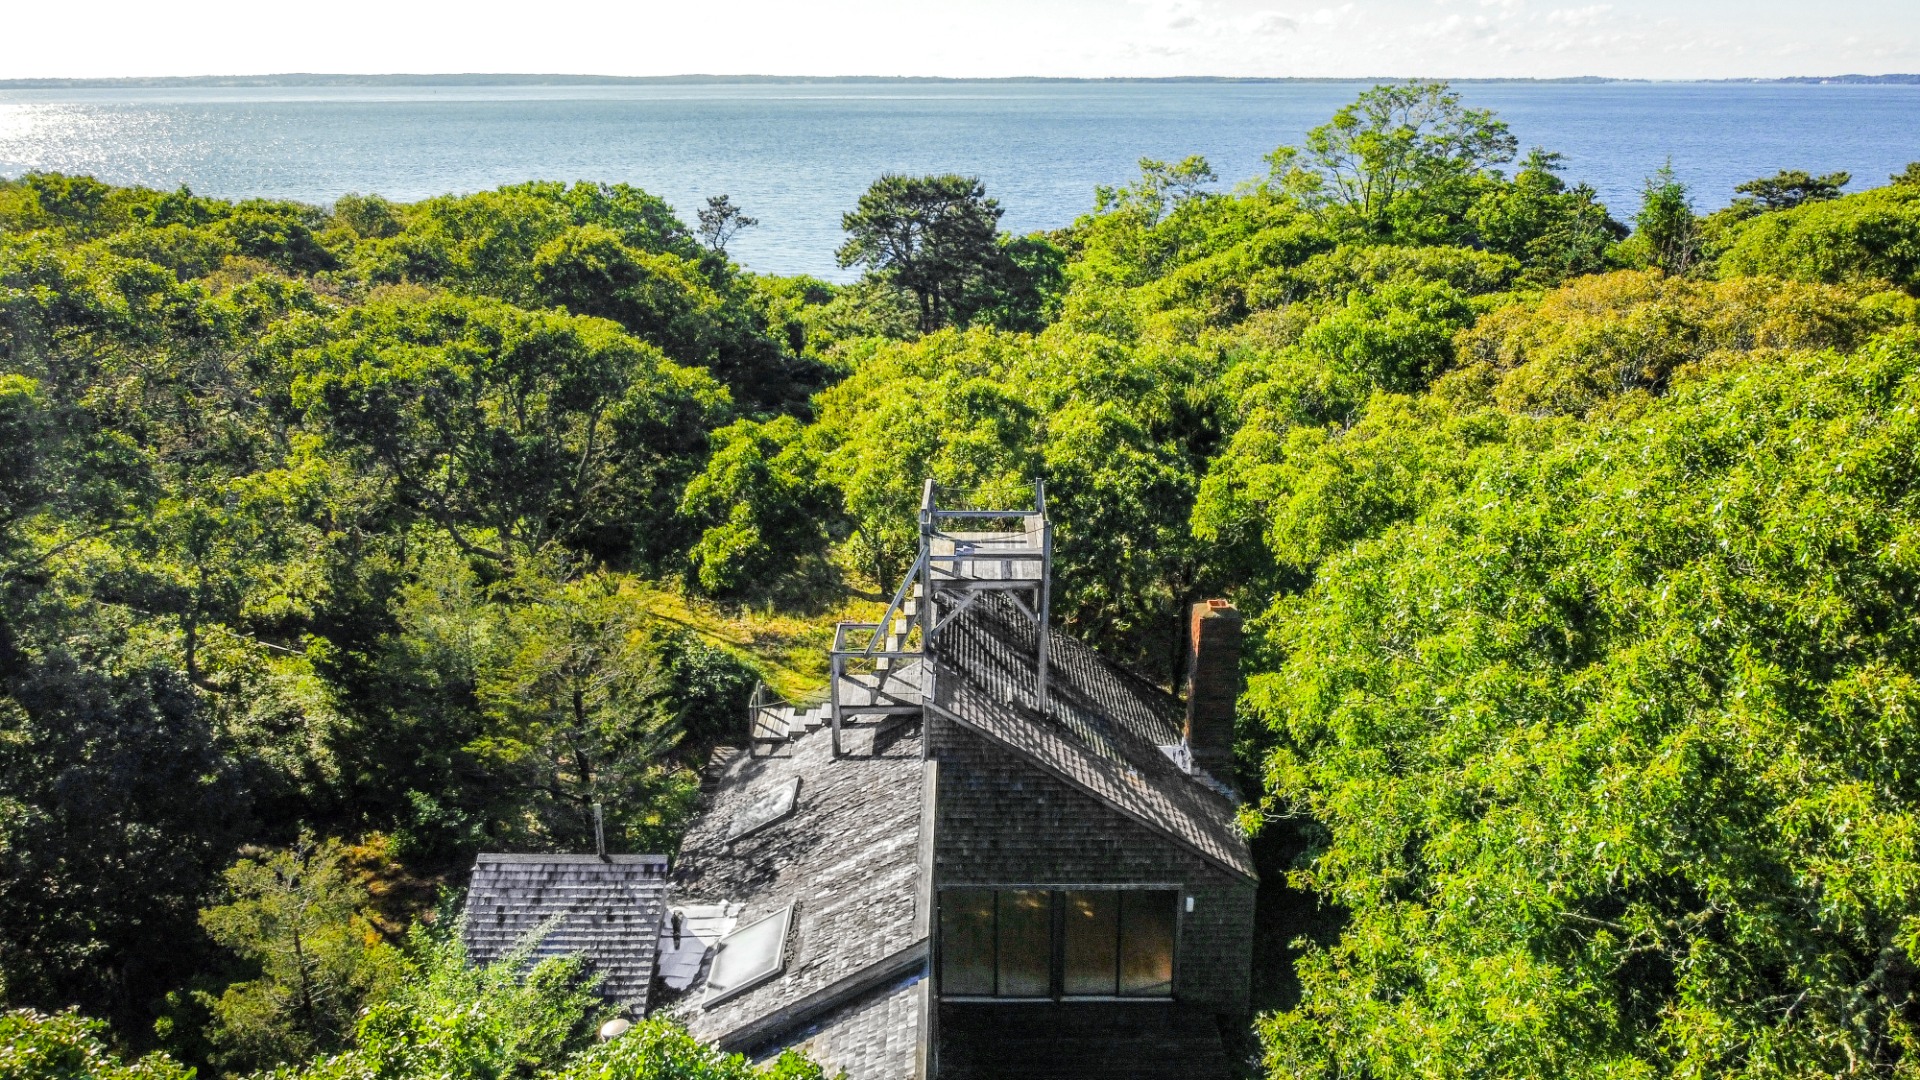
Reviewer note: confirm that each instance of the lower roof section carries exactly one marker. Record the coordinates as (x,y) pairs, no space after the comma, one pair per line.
(848,859)
(607,908)
(875,1036)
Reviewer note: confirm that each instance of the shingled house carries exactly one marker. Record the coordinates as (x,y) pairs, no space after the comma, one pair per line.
(607,907)
(987,853)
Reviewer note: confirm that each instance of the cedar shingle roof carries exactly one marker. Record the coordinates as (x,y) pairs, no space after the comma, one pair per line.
(1102,731)
(875,1036)
(607,909)
(847,858)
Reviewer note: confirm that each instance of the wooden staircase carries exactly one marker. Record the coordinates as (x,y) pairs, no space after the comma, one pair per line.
(899,628)
(777,721)
(966,551)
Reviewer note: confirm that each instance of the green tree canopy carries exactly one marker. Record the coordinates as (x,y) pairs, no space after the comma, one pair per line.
(1872,238)
(1162,187)
(510,430)
(1556,231)
(1666,233)
(721,220)
(116,806)
(1790,188)
(295,915)
(761,506)
(583,694)
(935,237)
(1644,699)
(1394,143)
(67,1046)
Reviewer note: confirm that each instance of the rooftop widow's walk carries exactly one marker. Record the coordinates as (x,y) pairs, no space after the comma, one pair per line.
(966,552)
(1007,857)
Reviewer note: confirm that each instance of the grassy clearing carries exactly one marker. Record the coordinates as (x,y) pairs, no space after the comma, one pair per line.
(790,649)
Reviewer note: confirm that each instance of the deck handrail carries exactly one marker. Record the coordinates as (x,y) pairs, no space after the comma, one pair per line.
(899,599)
(1031,541)
(765,705)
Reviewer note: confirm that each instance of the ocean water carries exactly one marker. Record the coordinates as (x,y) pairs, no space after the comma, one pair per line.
(797,155)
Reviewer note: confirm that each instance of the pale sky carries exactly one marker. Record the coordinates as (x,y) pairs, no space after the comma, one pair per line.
(1669,39)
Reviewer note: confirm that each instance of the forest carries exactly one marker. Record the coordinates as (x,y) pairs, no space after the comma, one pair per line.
(1580,545)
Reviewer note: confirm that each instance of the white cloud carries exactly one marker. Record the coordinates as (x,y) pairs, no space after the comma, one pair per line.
(1174,14)
(1581,16)
(1463,38)
(1330,17)
(1270,22)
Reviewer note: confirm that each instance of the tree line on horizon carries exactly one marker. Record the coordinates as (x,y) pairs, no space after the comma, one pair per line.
(1582,555)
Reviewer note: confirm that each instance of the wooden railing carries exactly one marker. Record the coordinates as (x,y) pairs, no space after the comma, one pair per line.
(953,569)
(764,722)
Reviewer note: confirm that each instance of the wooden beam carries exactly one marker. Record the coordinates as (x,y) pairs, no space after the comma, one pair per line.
(1046,606)
(984,514)
(839,666)
(966,602)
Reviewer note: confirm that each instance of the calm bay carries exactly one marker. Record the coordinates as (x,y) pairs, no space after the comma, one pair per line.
(797,154)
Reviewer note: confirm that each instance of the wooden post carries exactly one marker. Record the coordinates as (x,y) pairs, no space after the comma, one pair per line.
(1046,593)
(838,666)
(753,715)
(926,574)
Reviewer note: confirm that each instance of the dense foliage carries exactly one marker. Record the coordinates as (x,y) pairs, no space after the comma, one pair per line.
(65,1046)
(445,1020)
(1611,732)
(333,519)
(1583,560)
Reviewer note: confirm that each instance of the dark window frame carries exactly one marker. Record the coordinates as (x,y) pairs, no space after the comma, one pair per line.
(1056,898)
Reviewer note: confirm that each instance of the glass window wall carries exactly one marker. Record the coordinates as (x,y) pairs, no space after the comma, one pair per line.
(1057,943)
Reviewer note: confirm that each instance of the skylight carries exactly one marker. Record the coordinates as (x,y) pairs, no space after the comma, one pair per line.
(767,807)
(749,956)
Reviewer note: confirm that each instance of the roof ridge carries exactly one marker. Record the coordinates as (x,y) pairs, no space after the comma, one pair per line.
(1100,796)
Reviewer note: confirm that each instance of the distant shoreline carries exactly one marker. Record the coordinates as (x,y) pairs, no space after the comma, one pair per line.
(479,79)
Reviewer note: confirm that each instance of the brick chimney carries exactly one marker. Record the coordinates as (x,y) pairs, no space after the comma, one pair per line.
(1213,684)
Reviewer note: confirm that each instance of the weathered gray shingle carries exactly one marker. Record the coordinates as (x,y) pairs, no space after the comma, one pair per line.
(606,909)
(1134,1040)
(874,1037)
(1102,730)
(847,858)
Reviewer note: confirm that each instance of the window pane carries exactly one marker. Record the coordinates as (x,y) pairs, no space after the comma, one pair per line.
(1092,942)
(1146,943)
(766,808)
(1026,933)
(749,955)
(966,942)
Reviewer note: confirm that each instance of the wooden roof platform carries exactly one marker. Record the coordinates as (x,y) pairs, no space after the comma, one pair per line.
(1013,557)
(894,690)
(966,552)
